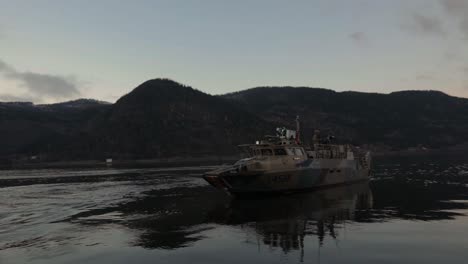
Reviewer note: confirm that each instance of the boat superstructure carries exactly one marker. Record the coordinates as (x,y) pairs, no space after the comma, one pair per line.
(282,163)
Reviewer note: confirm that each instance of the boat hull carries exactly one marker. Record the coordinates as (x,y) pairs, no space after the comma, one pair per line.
(322,174)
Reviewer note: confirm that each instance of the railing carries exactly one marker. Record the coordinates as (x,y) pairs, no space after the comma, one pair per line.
(329,151)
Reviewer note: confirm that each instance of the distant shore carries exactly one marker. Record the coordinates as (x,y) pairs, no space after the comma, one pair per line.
(202,160)
(143,163)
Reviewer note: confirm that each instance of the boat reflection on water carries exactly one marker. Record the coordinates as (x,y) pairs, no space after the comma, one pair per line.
(406,213)
(285,221)
(191,214)
(180,217)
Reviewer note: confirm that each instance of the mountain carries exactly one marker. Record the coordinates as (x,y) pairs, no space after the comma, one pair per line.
(28,129)
(162,118)
(76,104)
(397,120)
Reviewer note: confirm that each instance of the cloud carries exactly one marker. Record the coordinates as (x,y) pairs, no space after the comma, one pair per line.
(5,67)
(425,25)
(16,98)
(454,6)
(359,37)
(452,55)
(458,9)
(47,85)
(40,85)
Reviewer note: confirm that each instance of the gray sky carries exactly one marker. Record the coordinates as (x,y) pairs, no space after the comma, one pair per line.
(56,50)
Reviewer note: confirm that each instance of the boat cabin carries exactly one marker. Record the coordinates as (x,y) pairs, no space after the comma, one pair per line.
(269,150)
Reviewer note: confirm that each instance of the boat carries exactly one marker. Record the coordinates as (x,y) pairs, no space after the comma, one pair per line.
(282,164)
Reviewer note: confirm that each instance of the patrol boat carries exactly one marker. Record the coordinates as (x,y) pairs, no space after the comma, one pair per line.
(282,164)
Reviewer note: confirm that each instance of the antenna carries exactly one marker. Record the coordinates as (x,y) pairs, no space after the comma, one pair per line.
(298,131)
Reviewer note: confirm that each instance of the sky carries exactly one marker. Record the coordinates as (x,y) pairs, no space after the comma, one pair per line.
(58,50)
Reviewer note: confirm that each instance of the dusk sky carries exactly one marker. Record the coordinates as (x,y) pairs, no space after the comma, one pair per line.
(58,50)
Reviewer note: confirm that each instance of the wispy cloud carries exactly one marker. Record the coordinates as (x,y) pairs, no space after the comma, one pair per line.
(16,98)
(359,37)
(41,86)
(452,55)
(425,25)
(458,9)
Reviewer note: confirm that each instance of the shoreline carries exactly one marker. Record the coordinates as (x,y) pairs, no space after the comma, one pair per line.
(201,161)
(142,163)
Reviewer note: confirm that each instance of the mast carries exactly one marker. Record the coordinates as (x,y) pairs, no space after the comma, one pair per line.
(298,131)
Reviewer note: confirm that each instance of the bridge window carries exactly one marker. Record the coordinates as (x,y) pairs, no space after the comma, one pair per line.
(298,152)
(280,152)
(295,151)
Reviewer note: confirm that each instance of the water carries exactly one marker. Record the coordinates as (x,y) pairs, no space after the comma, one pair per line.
(414,210)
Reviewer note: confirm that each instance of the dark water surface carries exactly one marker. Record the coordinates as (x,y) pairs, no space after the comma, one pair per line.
(414,210)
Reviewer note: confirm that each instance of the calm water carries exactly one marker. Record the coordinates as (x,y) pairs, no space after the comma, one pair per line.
(414,210)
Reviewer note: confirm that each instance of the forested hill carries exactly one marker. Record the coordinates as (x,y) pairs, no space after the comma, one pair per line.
(162,118)
(28,129)
(397,120)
